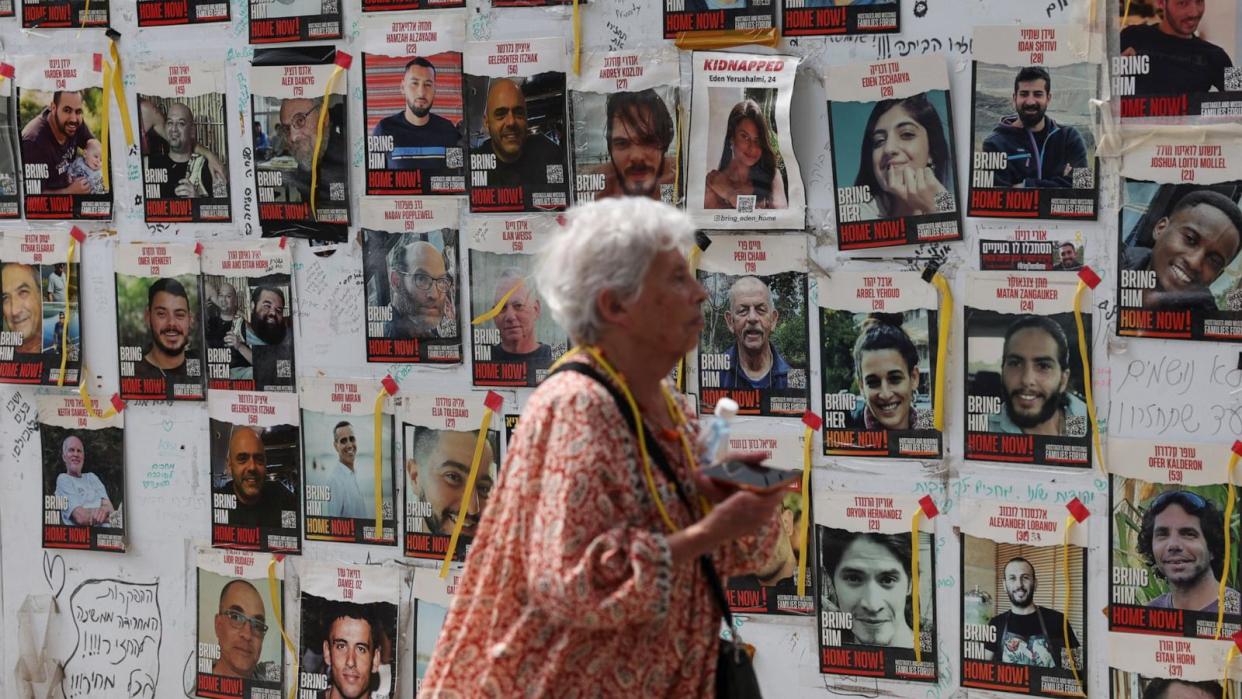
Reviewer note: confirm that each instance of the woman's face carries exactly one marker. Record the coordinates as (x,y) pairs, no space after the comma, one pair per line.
(670,305)
(898,142)
(746,145)
(888,386)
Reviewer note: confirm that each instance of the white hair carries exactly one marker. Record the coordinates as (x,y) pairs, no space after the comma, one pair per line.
(605,245)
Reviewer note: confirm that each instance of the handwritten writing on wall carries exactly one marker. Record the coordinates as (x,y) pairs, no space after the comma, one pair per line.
(120,630)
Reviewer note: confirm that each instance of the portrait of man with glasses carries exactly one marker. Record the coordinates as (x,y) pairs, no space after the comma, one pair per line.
(238,636)
(411,285)
(241,625)
(1182,538)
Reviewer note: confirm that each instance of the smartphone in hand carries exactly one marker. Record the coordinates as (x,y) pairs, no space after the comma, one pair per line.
(756,478)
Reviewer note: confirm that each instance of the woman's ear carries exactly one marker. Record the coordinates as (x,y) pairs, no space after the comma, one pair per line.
(610,307)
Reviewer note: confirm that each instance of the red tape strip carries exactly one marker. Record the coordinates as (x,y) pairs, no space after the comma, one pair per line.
(390,385)
(97,62)
(812,420)
(1237,639)
(343,59)
(284,240)
(1089,277)
(198,248)
(929,506)
(117,403)
(6,69)
(77,234)
(1237,447)
(493,401)
(1078,509)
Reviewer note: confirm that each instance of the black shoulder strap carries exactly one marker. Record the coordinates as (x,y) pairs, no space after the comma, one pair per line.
(661,459)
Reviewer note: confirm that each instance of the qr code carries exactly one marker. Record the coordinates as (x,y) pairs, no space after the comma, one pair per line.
(1233,79)
(336,191)
(453,157)
(556,174)
(746,203)
(797,378)
(329,7)
(944,202)
(1082,177)
(1076,426)
(288,519)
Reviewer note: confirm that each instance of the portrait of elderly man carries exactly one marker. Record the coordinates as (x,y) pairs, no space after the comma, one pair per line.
(437,474)
(240,626)
(421,290)
(23,305)
(638,132)
(522,158)
(86,500)
(517,322)
(754,362)
(566,547)
(1035,378)
(1182,538)
(298,125)
(180,171)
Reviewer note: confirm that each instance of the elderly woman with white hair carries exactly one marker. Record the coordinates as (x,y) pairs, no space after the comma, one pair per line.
(587,577)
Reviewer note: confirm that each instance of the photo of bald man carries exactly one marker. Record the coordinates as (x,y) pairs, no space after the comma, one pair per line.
(238,635)
(412,296)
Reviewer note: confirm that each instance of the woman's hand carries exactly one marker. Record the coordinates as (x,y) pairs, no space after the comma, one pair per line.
(715,492)
(741,514)
(915,190)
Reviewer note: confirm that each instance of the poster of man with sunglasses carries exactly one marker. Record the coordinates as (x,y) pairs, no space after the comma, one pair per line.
(338,460)
(411,275)
(248,316)
(256,471)
(302,177)
(239,650)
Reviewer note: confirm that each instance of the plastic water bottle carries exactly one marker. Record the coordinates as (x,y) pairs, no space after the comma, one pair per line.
(714,442)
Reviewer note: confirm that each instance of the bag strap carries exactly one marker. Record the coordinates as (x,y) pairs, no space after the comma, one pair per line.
(661,460)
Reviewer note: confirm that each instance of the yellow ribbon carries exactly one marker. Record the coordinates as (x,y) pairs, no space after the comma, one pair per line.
(1126,14)
(323,119)
(724,38)
(83,391)
(942,346)
(808,436)
(1070,521)
(379,462)
(915,591)
(118,86)
(1084,350)
(1224,578)
(273,588)
(577,39)
(105,99)
(499,306)
(466,496)
(64,336)
(1233,653)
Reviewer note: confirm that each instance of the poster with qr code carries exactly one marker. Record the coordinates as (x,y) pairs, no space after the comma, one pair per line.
(1025,383)
(1033,152)
(66,14)
(683,17)
(163,13)
(1034,248)
(891,128)
(278,21)
(1177,58)
(834,18)
(83,455)
(239,643)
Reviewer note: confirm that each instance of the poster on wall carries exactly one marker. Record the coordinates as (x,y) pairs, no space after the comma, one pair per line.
(276,21)
(300,195)
(413,109)
(432,597)
(1177,58)
(683,17)
(834,18)
(1015,635)
(513,341)
(623,107)
(338,462)
(184,142)
(10,168)
(1025,384)
(349,644)
(256,471)
(159,327)
(878,335)
(517,130)
(1135,685)
(411,274)
(891,125)
(162,13)
(60,112)
(63,14)
(41,319)
(1033,153)
(753,347)
(394,5)
(1033,248)
(439,440)
(863,552)
(742,113)
(83,466)
(248,315)
(239,647)
(1179,235)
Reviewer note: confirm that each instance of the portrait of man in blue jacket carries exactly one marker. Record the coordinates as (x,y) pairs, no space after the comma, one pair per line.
(1039,153)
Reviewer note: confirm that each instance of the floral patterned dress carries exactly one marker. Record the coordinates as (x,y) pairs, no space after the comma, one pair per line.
(569,589)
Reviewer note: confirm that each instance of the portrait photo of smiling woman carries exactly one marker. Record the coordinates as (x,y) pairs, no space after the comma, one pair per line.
(749,165)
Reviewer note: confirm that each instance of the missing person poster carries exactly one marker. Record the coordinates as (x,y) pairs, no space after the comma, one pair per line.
(515,105)
(1014,635)
(394,5)
(162,13)
(439,435)
(432,597)
(891,128)
(349,644)
(1177,58)
(63,14)
(754,347)
(239,646)
(624,113)
(10,164)
(683,17)
(1025,383)
(1035,249)
(866,617)
(248,315)
(410,270)
(1180,232)
(835,18)
(181,119)
(1167,533)
(158,324)
(83,461)
(288,87)
(1033,153)
(277,21)
(338,462)
(256,471)
(42,320)
(412,103)
(60,108)
(1138,685)
(513,342)
(879,344)
(741,111)
(774,588)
